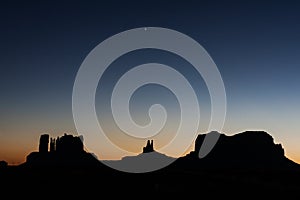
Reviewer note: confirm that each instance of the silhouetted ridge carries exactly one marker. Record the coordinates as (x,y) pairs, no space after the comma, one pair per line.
(67,150)
(244,150)
(146,161)
(246,163)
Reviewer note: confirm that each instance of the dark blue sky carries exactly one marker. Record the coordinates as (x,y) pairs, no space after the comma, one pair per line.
(254,44)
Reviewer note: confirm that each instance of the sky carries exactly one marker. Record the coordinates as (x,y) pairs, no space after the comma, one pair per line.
(254,44)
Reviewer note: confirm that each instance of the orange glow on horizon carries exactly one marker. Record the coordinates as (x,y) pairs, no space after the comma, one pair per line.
(14,150)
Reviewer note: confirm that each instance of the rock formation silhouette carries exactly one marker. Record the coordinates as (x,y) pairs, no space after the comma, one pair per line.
(149,147)
(249,149)
(146,161)
(67,150)
(248,162)
(44,142)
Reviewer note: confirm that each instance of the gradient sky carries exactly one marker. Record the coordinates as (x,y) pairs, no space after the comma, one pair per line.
(255,45)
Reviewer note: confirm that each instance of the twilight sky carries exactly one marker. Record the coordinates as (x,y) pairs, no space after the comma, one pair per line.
(255,45)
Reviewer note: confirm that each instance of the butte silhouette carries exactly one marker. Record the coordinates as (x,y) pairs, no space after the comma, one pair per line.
(248,162)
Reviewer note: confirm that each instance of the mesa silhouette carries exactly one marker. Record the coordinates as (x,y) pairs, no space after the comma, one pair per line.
(246,150)
(247,161)
(249,149)
(65,151)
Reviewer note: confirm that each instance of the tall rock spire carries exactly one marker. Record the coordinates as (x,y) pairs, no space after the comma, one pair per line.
(149,147)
